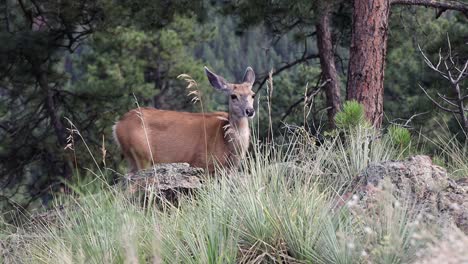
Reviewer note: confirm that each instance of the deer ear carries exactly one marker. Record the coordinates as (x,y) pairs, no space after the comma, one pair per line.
(216,81)
(249,76)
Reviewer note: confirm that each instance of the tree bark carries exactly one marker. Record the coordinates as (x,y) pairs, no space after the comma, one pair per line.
(327,64)
(367,56)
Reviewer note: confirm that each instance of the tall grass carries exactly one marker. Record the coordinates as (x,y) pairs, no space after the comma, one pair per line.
(450,152)
(284,206)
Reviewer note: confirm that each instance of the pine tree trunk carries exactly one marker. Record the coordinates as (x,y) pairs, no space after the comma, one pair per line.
(327,64)
(367,56)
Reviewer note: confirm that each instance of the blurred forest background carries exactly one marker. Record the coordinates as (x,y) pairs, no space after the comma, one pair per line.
(88,62)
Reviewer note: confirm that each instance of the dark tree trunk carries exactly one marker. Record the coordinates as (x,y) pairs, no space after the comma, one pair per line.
(159,100)
(327,63)
(367,56)
(56,123)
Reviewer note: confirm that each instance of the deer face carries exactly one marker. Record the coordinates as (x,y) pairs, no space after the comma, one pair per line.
(241,96)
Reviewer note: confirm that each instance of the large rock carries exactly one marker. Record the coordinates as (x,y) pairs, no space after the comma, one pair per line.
(425,183)
(166,177)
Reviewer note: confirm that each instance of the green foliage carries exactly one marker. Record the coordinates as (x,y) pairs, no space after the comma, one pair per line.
(152,15)
(352,115)
(32,134)
(126,61)
(399,136)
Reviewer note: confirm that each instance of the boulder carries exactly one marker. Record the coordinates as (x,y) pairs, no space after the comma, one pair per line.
(424,183)
(165,177)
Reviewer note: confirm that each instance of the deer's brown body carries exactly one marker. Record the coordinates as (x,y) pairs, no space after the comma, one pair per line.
(205,140)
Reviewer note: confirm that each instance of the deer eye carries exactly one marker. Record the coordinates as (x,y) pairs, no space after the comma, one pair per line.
(233,97)
(253,96)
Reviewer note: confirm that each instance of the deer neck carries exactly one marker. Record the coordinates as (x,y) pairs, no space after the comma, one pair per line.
(239,135)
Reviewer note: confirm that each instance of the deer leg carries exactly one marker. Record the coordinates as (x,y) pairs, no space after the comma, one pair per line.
(142,163)
(133,163)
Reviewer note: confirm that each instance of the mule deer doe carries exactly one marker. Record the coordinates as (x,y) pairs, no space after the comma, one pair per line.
(148,135)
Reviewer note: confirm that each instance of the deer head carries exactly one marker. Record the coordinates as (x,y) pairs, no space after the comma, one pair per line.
(241,96)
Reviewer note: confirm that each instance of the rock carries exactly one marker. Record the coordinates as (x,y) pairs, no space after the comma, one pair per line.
(166,177)
(418,171)
(424,183)
(450,250)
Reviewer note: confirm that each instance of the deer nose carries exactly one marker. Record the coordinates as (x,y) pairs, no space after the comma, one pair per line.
(250,112)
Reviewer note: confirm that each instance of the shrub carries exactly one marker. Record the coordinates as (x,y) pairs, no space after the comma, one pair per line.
(352,115)
(400,137)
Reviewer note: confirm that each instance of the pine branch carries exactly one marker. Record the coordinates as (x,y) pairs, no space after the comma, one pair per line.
(442,5)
